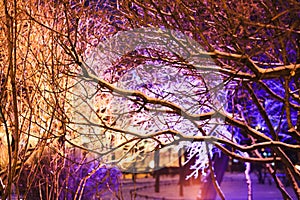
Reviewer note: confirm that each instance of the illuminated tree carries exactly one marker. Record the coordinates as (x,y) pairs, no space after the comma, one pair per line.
(68,82)
(256,48)
(35,109)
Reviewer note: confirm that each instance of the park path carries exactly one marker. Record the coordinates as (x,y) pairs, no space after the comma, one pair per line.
(234,187)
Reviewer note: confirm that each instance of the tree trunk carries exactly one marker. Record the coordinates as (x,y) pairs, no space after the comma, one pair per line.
(181,173)
(207,190)
(157,171)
